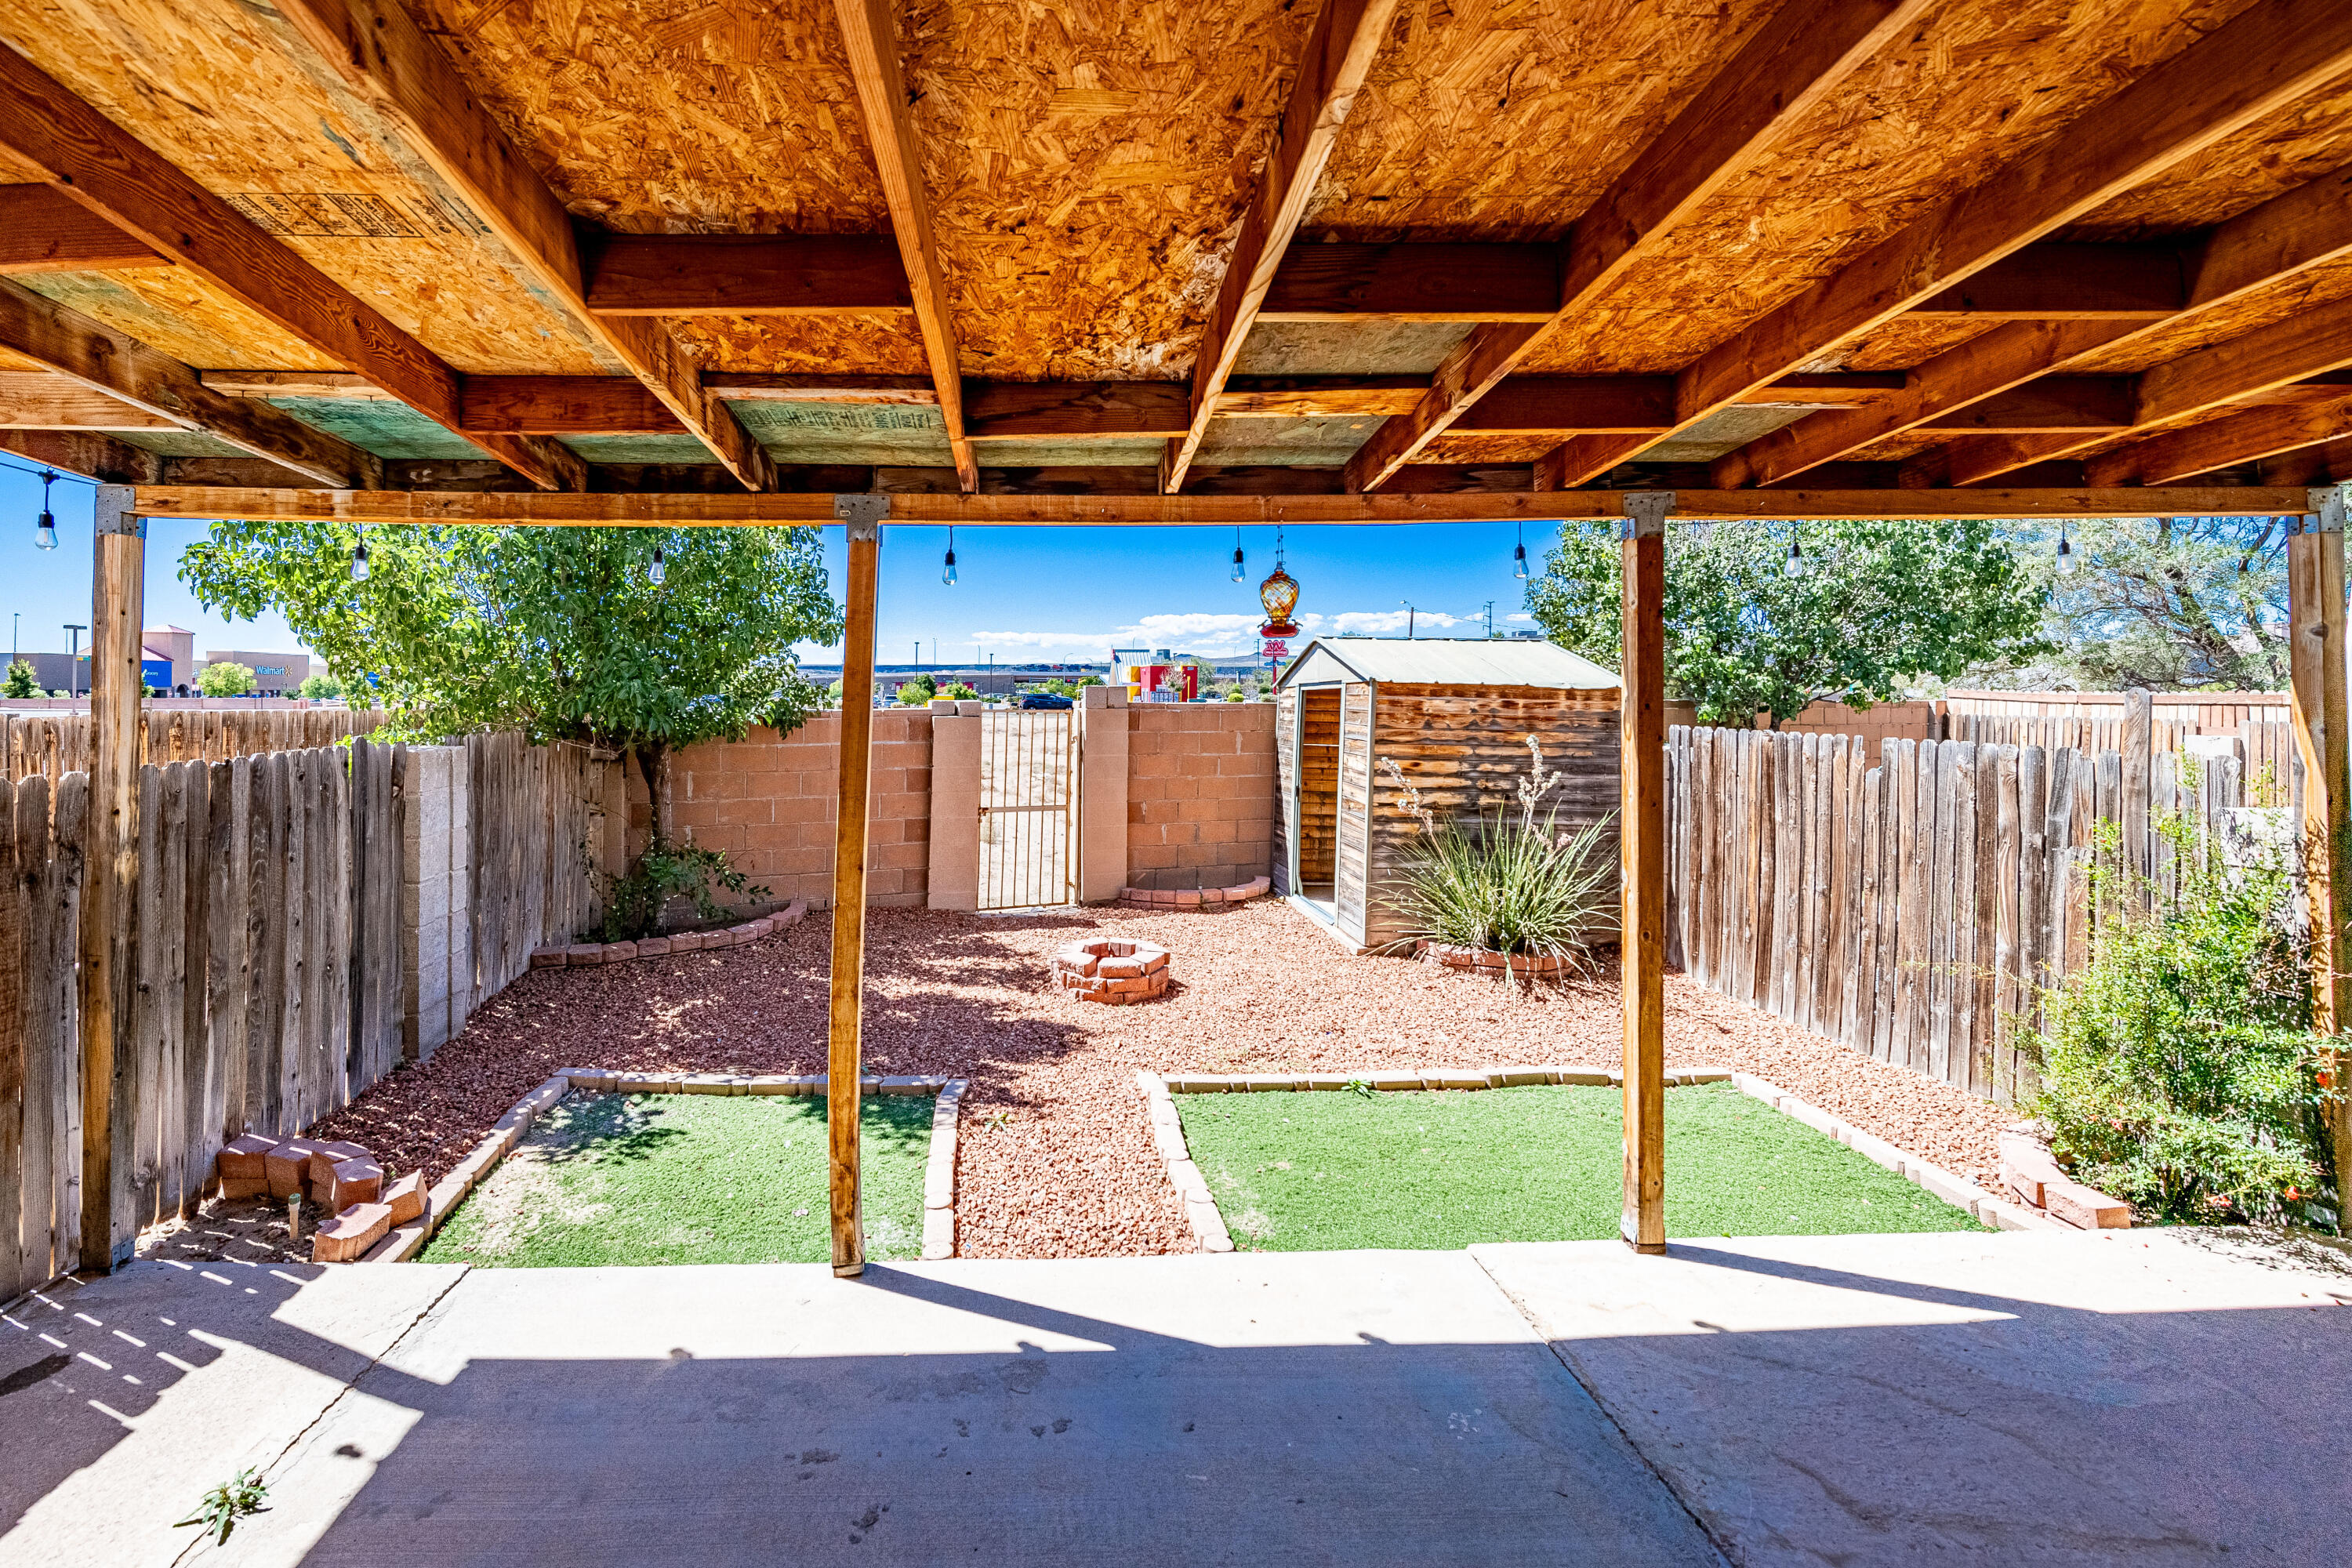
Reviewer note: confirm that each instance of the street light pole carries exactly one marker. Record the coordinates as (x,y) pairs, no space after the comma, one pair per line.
(1408,618)
(73,661)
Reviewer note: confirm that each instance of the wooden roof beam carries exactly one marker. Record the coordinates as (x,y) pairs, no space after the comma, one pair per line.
(87,453)
(1787,67)
(92,355)
(2224,442)
(873,49)
(2290,234)
(746,275)
(41,231)
(2328,463)
(42,400)
(377,51)
(1017,410)
(2260,62)
(563,406)
(122,181)
(1347,37)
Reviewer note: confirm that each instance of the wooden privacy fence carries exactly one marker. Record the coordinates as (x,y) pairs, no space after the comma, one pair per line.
(1906,904)
(56,745)
(276,936)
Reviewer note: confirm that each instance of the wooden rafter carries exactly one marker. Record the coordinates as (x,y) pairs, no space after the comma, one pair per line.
(39,400)
(747,275)
(2290,234)
(2329,462)
(41,231)
(605,510)
(872,47)
(2221,443)
(1013,410)
(2261,60)
(564,405)
(379,53)
(90,354)
(87,453)
(122,181)
(1791,63)
(1345,39)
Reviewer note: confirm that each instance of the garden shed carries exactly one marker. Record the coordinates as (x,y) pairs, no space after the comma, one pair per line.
(1360,721)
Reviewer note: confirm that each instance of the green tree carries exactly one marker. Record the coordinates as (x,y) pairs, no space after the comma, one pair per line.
(1879,602)
(560,632)
(224,677)
(321,688)
(962,691)
(917,691)
(20,681)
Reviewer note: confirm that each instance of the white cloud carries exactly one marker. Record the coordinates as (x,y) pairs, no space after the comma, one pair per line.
(1528,618)
(1391,623)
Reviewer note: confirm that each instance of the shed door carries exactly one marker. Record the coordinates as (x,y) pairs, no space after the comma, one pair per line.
(1028,808)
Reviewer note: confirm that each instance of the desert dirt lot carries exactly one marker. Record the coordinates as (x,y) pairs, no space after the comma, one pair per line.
(1056,1157)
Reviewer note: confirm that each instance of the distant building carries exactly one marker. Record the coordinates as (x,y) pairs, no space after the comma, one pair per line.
(274,674)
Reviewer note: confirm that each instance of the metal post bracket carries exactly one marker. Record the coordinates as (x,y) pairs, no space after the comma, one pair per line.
(864,513)
(114,514)
(1646,514)
(2327,509)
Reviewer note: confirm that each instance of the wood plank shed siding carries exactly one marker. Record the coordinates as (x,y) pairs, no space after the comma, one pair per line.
(1286,768)
(1453,742)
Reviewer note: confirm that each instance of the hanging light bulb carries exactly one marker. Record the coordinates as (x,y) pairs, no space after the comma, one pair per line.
(2065,554)
(1237,554)
(658,570)
(1795,565)
(1520,556)
(358,562)
(947,568)
(45,529)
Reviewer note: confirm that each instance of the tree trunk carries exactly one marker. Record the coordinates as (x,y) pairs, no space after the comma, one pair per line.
(650,757)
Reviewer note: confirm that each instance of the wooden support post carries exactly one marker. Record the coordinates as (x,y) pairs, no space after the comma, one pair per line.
(1641,834)
(110,895)
(2135,813)
(2317,670)
(863,514)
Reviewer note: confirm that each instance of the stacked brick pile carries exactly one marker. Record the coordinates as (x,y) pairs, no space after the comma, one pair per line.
(1192,898)
(342,1179)
(1525,965)
(1111,971)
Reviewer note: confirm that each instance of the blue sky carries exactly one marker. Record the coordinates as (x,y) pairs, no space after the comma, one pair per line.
(1063,594)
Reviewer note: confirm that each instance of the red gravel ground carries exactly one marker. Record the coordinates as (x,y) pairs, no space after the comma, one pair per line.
(1056,1156)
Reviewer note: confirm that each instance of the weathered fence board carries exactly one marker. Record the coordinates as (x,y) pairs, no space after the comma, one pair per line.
(1912,905)
(54,744)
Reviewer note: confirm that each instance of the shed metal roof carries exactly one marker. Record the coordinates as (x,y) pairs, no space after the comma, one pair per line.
(1447,662)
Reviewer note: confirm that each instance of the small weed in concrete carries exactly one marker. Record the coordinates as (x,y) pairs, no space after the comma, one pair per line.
(614,1179)
(1294,1173)
(239,1498)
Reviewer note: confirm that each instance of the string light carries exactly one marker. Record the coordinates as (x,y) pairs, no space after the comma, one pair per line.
(658,570)
(44,530)
(1237,553)
(1795,565)
(2065,554)
(359,562)
(947,568)
(1519,555)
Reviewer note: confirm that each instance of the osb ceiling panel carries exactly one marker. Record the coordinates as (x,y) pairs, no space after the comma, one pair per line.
(1346,348)
(1325,441)
(2306,141)
(2281,301)
(1909,341)
(661,116)
(174,311)
(1475,450)
(207,84)
(819,344)
(1503,119)
(1087,163)
(1978,84)
(388,429)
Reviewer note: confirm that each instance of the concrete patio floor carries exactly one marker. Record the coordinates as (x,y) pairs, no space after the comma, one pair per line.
(2141,1397)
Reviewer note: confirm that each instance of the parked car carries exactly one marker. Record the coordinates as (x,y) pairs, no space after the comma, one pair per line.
(1043,700)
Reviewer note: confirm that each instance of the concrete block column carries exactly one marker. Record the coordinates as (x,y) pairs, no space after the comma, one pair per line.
(1102,794)
(955,807)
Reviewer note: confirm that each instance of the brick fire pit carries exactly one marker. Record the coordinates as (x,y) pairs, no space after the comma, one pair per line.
(1115,973)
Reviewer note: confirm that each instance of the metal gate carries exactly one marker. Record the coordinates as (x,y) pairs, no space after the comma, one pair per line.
(1028,808)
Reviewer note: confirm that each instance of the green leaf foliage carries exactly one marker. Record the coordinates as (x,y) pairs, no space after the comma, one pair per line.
(1881,602)
(556,631)
(2179,1067)
(321,688)
(224,677)
(21,680)
(634,903)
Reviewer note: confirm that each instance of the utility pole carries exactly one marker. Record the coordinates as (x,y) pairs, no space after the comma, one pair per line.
(1490,620)
(73,662)
(1408,618)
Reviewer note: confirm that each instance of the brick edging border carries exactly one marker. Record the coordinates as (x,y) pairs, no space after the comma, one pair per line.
(406,1241)
(1209,1227)
(1195,897)
(590,955)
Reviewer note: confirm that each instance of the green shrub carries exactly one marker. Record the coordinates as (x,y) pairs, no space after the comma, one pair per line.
(20,681)
(634,903)
(960,692)
(1507,886)
(2179,1070)
(914,693)
(224,677)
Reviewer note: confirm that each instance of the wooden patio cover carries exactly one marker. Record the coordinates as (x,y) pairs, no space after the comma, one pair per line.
(676,263)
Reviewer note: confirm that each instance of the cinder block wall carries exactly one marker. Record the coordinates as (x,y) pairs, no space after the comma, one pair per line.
(767,801)
(1199,794)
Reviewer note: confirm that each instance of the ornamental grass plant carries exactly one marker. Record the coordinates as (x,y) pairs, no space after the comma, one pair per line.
(1508,882)
(2179,1067)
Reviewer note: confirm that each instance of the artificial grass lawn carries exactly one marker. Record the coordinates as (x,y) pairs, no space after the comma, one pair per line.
(689,1178)
(1323,1171)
